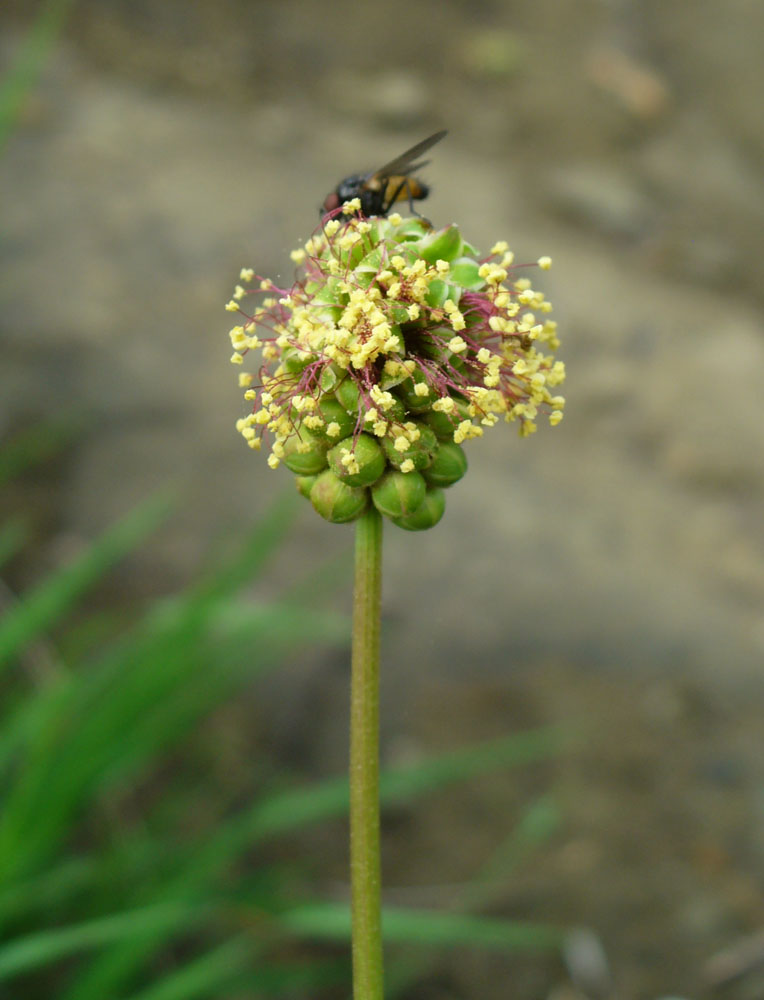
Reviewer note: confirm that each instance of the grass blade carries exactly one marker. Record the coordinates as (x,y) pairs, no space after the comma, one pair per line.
(282,812)
(35,950)
(29,63)
(215,970)
(41,608)
(42,440)
(331,922)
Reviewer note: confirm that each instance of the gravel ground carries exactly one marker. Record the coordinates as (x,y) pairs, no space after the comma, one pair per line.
(609,572)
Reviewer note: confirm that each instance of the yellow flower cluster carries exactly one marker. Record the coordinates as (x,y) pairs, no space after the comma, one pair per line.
(388,330)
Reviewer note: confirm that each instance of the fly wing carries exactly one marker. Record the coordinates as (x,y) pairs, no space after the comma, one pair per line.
(404,163)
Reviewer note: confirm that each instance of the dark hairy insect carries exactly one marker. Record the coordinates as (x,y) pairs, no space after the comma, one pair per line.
(379,190)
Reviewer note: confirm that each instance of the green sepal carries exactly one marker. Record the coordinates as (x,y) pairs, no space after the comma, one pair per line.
(464,272)
(448,466)
(350,258)
(425,516)
(333,412)
(367,452)
(437,292)
(372,261)
(445,244)
(305,485)
(305,461)
(336,501)
(398,494)
(387,382)
(440,290)
(396,414)
(400,314)
(331,377)
(348,395)
(421,452)
(413,402)
(444,424)
(328,294)
(296,361)
(410,229)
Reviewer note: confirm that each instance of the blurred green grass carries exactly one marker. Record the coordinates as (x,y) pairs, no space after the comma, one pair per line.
(107,890)
(29,62)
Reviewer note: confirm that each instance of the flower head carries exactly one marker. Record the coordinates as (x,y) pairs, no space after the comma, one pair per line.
(395,345)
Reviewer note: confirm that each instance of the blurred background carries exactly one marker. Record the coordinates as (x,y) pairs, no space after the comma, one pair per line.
(606,576)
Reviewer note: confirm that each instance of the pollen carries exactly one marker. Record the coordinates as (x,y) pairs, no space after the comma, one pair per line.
(350,462)
(492,274)
(366,300)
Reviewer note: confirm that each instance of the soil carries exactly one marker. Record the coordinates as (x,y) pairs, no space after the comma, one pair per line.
(607,574)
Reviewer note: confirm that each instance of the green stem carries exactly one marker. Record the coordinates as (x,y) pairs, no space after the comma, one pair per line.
(365,868)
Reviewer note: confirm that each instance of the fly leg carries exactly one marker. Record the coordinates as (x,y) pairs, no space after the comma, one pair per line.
(404,186)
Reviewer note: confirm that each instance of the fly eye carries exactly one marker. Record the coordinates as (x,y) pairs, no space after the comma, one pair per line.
(331,202)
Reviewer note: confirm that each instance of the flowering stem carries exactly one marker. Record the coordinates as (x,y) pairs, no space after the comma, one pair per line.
(365,865)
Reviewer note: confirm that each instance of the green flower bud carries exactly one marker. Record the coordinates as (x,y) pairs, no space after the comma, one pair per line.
(335,501)
(398,494)
(448,466)
(348,395)
(358,462)
(395,414)
(421,452)
(333,413)
(295,361)
(444,424)
(305,485)
(464,272)
(331,377)
(413,402)
(438,292)
(445,244)
(305,453)
(427,515)
(409,228)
